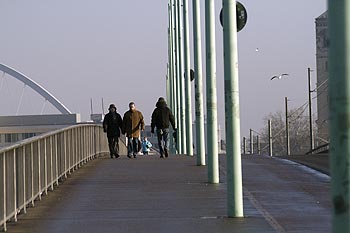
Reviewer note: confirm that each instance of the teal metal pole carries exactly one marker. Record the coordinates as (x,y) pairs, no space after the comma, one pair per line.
(167,84)
(170,76)
(189,132)
(178,76)
(233,151)
(339,96)
(174,73)
(212,125)
(198,78)
(182,80)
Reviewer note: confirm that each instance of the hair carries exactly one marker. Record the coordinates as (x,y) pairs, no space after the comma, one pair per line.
(131,103)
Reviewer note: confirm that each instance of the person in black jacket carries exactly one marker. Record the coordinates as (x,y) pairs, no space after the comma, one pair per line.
(161,117)
(112,124)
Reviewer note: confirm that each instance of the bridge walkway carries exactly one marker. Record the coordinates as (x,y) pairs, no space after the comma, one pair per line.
(149,194)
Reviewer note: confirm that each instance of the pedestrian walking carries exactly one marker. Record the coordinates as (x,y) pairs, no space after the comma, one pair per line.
(146,146)
(161,117)
(112,124)
(132,124)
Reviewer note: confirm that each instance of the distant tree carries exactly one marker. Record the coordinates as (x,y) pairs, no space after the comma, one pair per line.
(298,132)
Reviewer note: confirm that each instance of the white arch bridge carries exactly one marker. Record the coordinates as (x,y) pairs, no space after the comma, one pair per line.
(36,87)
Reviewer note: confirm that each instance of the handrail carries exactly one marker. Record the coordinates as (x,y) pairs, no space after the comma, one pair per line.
(319,149)
(35,165)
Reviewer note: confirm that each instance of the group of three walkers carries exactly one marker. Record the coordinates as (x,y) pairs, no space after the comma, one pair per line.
(132,123)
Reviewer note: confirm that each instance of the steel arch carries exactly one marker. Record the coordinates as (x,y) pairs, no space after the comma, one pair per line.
(36,87)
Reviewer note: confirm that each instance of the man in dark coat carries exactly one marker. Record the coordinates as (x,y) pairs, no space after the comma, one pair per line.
(132,124)
(161,117)
(112,124)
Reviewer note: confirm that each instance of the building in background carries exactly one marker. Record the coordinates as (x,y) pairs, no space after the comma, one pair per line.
(322,78)
(17,128)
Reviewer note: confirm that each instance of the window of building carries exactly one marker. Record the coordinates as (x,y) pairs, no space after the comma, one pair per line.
(7,137)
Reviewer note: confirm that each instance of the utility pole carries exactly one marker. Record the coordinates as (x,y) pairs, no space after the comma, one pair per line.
(198,78)
(258,144)
(270,138)
(310,111)
(232,115)
(212,124)
(287,126)
(244,145)
(251,141)
(339,109)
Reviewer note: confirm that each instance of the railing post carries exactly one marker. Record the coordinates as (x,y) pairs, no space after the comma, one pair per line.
(56,151)
(95,141)
(65,153)
(15,184)
(5,190)
(39,169)
(76,150)
(24,180)
(32,171)
(51,163)
(45,164)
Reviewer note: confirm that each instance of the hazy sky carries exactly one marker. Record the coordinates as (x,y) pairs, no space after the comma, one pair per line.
(117,50)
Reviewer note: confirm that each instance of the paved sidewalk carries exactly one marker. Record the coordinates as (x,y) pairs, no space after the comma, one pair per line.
(155,195)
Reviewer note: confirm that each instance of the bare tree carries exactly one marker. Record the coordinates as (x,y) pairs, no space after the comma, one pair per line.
(298,132)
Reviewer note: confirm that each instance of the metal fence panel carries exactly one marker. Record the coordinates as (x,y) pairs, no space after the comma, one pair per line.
(31,167)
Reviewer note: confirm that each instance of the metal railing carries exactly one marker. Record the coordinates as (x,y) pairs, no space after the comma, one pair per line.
(320,149)
(34,166)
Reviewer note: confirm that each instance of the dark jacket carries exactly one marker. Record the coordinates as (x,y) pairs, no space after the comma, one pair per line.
(132,123)
(162,116)
(112,124)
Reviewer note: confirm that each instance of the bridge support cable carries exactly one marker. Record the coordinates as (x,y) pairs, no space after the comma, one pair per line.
(2,81)
(43,107)
(20,99)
